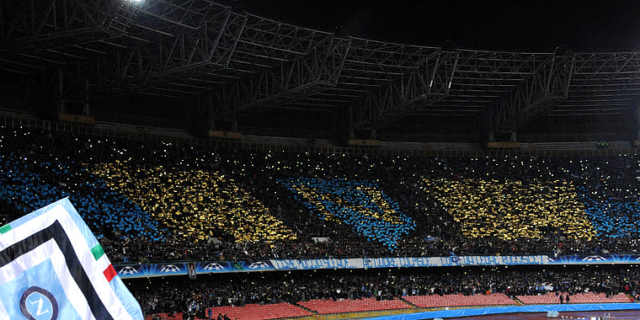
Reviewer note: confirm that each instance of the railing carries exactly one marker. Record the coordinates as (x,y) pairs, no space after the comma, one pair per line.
(15,121)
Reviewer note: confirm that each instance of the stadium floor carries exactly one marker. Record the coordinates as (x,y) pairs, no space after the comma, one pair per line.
(587,315)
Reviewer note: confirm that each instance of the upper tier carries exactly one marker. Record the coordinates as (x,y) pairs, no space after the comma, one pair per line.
(163,198)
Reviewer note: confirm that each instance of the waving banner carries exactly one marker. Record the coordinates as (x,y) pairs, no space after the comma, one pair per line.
(52,267)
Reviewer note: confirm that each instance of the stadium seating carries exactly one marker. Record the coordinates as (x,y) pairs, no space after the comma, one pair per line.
(265,204)
(590,297)
(165,316)
(610,214)
(346,305)
(359,204)
(152,201)
(29,184)
(262,312)
(511,209)
(458,300)
(247,312)
(195,203)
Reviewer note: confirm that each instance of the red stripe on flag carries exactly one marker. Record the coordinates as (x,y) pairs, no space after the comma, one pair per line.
(110,272)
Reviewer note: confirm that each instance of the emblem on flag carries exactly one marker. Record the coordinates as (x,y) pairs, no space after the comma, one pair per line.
(38,304)
(52,267)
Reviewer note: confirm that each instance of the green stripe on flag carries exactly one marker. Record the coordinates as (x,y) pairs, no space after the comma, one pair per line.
(97,251)
(5,228)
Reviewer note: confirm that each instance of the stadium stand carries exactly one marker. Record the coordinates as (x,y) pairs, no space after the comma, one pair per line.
(575,298)
(272,176)
(361,305)
(339,291)
(258,312)
(167,201)
(155,201)
(358,204)
(459,300)
(159,201)
(197,202)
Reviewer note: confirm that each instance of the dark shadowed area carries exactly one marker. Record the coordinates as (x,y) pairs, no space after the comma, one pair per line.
(538,26)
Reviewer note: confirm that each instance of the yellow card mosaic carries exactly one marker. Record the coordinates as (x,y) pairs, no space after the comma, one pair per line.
(195,203)
(512,209)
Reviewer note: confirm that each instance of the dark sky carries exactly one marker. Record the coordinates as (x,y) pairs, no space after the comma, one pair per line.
(533,26)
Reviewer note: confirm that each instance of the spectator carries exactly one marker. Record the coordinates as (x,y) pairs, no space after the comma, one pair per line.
(151,202)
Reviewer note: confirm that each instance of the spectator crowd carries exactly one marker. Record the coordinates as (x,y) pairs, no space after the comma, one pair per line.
(153,201)
(173,294)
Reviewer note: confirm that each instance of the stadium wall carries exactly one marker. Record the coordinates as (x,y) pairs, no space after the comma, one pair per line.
(207,267)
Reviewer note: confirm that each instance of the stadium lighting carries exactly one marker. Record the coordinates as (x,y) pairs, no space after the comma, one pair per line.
(136,1)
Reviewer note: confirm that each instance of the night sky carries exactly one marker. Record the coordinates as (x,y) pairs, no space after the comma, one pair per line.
(531,26)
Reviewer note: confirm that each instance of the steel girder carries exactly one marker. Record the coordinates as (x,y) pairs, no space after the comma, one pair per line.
(34,25)
(182,48)
(371,64)
(548,87)
(482,77)
(605,79)
(284,83)
(168,58)
(216,46)
(606,64)
(429,82)
(268,41)
(141,44)
(386,57)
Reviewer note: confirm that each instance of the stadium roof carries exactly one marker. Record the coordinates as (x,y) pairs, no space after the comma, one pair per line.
(237,65)
(503,25)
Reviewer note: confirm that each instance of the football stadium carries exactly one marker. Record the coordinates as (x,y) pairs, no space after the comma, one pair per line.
(208,159)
